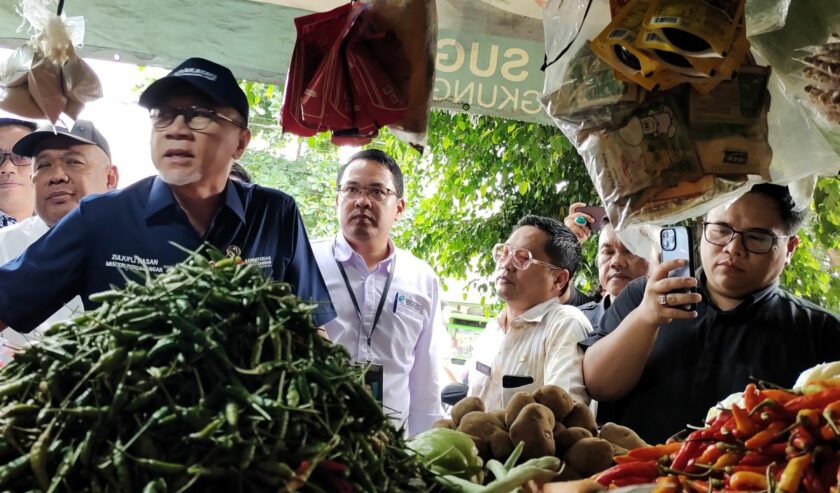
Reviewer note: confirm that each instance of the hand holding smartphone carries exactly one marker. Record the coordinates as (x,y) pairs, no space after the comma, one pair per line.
(599,214)
(676,243)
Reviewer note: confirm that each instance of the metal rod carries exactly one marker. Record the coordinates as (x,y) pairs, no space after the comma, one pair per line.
(60,7)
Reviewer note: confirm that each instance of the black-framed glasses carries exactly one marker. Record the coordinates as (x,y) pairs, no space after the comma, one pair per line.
(754,241)
(16,159)
(376,193)
(522,258)
(197,117)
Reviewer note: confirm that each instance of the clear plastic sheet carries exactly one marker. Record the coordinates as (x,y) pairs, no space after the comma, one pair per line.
(45,77)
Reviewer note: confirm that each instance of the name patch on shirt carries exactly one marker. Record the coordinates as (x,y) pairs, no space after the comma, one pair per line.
(262,262)
(482,368)
(134,263)
(403,303)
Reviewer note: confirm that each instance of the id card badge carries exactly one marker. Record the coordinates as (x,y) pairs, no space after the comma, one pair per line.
(374,380)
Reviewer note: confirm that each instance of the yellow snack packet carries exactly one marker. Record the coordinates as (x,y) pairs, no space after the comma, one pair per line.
(699,28)
(658,48)
(739,56)
(616,44)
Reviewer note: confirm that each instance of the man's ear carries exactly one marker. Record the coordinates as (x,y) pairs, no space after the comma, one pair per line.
(113,178)
(400,208)
(562,279)
(792,243)
(244,139)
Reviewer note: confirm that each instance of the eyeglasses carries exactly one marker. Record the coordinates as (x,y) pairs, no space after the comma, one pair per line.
(522,258)
(376,193)
(753,241)
(15,159)
(197,118)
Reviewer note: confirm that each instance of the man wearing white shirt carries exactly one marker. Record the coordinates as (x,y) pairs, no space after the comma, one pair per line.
(534,340)
(387,299)
(67,165)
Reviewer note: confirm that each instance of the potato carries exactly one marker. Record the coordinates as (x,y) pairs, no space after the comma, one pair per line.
(567,474)
(564,439)
(622,436)
(464,406)
(444,423)
(488,429)
(556,399)
(500,415)
(589,456)
(535,427)
(515,404)
(581,417)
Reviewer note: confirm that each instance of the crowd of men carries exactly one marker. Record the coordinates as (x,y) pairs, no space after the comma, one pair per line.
(631,346)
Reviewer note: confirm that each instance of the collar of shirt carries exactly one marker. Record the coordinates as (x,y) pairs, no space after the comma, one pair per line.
(746,303)
(344,253)
(161,198)
(532,316)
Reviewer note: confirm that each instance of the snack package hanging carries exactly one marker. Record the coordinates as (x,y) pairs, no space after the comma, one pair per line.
(654,157)
(47,71)
(698,28)
(414,24)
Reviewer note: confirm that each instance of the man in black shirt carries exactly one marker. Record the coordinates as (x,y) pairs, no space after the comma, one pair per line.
(656,367)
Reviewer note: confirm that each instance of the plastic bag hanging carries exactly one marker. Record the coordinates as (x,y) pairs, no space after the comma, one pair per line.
(45,77)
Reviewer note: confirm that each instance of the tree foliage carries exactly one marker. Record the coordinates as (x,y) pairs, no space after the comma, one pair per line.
(477,178)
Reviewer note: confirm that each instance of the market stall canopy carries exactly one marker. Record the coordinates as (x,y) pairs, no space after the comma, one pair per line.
(488,60)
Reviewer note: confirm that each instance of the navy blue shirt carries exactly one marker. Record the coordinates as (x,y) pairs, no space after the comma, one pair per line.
(772,335)
(134,229)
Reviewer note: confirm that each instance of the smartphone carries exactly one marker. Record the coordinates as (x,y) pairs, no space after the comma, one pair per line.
(514,381)
(676,243)
(599,214)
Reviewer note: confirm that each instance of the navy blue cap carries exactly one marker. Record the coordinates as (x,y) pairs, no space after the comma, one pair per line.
(211,79)
(82,132)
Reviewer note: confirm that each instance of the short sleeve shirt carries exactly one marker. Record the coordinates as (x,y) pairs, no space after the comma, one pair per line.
(771,335)
(137,229)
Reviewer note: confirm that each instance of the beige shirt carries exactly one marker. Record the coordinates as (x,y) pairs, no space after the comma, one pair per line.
(541,343)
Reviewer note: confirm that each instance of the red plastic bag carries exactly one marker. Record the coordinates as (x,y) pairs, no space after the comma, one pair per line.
(317,35)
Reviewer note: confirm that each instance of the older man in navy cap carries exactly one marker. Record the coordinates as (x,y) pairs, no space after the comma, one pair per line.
(68,164)
(199,117)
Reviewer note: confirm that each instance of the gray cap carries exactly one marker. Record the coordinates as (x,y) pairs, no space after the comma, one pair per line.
(83,132)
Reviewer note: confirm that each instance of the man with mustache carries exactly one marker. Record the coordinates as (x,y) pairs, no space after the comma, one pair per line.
(67,165)
(199,118)
(17,196)
(386,298)
(617,265)
(534,340)
(655,366)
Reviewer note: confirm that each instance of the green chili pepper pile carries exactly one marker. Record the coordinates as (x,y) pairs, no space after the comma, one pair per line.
(207,378)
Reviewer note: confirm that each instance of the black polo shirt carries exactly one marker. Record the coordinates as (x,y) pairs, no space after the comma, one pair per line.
(771,335)
(594,310)
(577,298)
(135,230)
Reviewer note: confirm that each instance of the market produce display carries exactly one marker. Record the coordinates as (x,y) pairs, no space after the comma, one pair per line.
(206,378)
(545,423)
(774,440)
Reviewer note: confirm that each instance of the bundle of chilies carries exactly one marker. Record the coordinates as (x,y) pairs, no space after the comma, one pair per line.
(774,440)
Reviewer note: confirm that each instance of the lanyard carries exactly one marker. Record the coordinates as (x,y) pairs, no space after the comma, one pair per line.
(356,303)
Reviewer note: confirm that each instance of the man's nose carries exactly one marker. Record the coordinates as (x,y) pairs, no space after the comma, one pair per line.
(736,245)
(57,174)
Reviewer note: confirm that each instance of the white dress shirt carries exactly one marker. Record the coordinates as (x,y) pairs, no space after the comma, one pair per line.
(542,343)
(13,241)
(408,336)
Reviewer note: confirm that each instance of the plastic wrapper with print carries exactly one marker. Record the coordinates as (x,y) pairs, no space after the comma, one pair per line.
(655,157)
(45,77)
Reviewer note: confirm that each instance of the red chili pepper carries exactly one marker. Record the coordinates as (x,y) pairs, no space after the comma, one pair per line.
(727,459)
(751,397)
(728,427)
(793,473)
(646,469)
(816,400)
(624,459)
(755,459)
(748,481)
(742,468)
(801,440)
(744,427)
(654,452)
(626,481)
(689,450)
(711,454)
(775,450)
(809,418)
(765,436)
(830,472)
(812,483)
(780,396)
(695,485)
